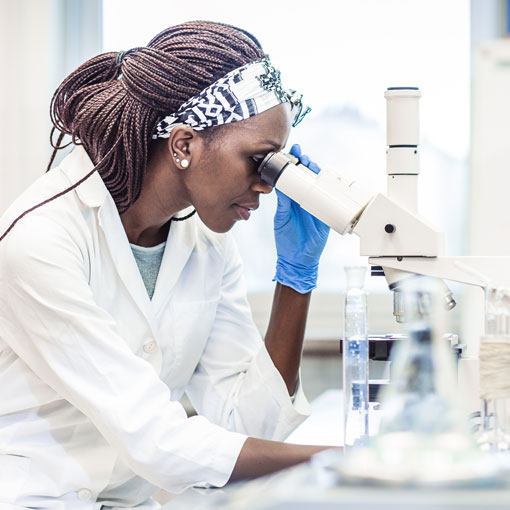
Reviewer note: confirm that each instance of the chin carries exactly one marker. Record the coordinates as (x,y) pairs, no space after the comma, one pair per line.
(220,227)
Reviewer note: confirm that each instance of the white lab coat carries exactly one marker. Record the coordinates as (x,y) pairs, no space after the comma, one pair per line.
(91,370)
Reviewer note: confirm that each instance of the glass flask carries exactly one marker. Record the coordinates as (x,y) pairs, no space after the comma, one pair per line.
(494,372)
(424,437)
(422,397)
(355,359)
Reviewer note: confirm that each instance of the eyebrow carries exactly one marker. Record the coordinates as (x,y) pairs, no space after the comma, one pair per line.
(275,146)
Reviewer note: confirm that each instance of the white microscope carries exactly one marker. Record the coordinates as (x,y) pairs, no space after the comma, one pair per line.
(398,242)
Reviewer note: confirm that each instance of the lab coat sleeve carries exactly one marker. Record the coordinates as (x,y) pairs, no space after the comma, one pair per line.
(54,325)
(236,383)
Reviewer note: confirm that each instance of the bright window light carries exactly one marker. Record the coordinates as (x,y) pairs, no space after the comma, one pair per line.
(342,55)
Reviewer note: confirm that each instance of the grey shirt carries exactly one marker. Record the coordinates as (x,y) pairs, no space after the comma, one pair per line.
(149,262)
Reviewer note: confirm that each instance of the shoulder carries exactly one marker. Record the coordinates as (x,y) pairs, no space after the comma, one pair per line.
(39,191)
(40,229)
(39,247)
(49,211)
(30,222)
(70,187)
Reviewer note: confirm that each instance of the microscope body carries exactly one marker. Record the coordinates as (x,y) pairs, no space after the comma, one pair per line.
(398,242)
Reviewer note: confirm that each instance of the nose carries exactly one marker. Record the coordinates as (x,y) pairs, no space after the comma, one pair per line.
(261,187)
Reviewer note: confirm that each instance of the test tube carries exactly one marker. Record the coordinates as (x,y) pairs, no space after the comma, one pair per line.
(355,359)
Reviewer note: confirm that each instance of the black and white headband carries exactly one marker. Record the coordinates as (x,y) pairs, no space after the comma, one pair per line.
(239,95)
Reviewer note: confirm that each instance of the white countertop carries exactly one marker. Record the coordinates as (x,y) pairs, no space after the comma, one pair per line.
(306,488)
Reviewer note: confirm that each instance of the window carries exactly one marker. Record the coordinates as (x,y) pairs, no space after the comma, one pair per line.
(342,56)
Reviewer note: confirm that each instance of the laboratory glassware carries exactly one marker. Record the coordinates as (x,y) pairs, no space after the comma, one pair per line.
(424,437)
(422,397)
(355,359)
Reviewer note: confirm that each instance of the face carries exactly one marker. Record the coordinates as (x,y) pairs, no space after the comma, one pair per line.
(222,181)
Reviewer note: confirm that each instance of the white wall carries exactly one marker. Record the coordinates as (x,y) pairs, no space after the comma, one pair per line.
(489,204)
(488,216)
(41,41)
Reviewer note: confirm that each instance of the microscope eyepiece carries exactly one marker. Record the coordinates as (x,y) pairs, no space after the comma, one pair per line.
(272,167)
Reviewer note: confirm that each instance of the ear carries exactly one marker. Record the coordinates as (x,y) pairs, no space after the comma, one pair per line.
(184,146)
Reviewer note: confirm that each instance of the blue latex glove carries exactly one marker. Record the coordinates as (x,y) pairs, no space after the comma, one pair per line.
(300,238)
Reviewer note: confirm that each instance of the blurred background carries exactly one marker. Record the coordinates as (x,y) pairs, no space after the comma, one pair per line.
(341,55)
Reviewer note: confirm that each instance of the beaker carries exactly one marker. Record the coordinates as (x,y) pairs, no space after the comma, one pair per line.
(422,396)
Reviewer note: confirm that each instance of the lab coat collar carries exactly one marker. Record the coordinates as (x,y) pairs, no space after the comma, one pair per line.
(123,258)
(180,242)
(76,165)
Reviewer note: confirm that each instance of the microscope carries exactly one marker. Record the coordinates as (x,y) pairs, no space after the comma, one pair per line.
(398,241)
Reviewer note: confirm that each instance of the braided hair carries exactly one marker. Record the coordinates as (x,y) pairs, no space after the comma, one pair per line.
(112,103)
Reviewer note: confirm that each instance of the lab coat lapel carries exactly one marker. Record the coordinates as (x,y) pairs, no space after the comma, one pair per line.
(180,244)
(123,259)
(94,193)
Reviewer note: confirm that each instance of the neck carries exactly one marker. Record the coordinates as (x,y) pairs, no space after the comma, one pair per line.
(147,221)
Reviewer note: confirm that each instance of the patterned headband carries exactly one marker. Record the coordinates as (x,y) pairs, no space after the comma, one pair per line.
(239,95)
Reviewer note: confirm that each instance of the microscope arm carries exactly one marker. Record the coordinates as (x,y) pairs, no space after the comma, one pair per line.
(458,269)
(404,244)
(387,229)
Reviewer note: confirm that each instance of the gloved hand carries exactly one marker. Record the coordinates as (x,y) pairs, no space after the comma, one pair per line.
(300,238)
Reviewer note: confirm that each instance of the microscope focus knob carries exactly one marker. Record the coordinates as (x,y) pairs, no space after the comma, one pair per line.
(389,228)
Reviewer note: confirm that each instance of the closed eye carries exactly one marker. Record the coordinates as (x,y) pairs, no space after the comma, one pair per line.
(257,159)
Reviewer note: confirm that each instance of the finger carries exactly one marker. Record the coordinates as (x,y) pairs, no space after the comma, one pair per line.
(295,150)
(304,159)
(314,167)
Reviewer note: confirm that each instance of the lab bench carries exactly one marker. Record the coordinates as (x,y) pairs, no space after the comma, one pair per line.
(305,488)
(295,489)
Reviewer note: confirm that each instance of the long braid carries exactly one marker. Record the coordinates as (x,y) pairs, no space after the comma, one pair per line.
(114,118)
(111,105)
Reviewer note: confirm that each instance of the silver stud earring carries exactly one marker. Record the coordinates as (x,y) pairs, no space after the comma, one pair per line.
(184,163)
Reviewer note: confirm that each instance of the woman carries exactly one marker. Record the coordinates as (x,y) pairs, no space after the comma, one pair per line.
(116,298)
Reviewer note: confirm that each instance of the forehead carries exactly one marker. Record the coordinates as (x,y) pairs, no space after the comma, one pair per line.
(269,127)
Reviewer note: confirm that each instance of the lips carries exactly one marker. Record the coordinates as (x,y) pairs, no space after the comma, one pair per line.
(244,210)
(251,206)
